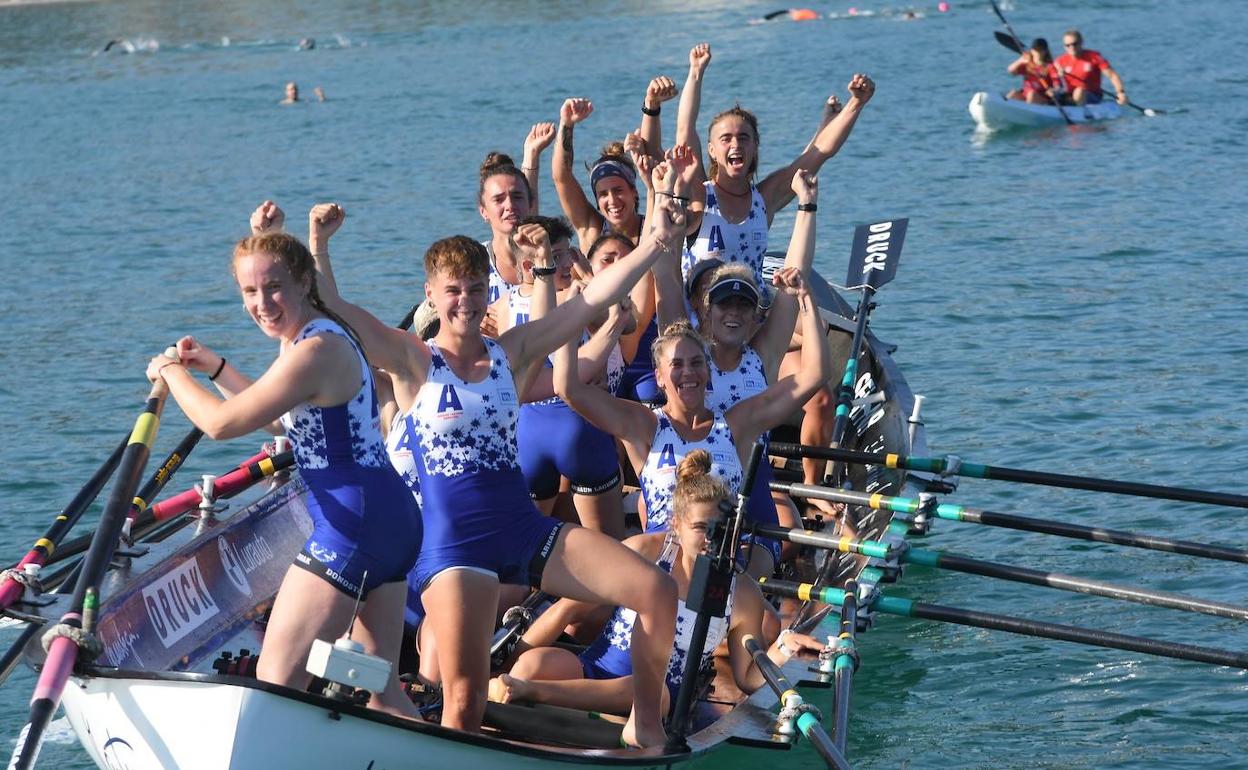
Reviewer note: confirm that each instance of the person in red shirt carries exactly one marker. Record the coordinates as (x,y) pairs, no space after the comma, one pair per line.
(1035,67)
(1081,68)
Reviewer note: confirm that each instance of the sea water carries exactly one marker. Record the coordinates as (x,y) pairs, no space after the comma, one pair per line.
(1070,300)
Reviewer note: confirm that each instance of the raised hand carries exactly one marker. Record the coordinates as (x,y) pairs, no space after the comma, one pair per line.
(789,280)
(861,87)
(541,135)
(831,108)
(663,178)
(699,59)
(805,186)
(324,219)
(668,225)
(684,162)
(267,218)
(634,144)
(533,244)
(660,90)
(575,110)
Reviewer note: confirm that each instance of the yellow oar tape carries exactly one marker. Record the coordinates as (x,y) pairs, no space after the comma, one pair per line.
(145,429)
(46,545)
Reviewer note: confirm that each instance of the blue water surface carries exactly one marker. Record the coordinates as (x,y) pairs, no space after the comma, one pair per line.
(1071,300)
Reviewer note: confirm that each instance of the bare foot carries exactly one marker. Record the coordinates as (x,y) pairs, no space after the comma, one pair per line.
(506,688)
(636,736)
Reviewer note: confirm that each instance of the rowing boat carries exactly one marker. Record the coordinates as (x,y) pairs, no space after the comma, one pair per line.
(181,621)
(993,112)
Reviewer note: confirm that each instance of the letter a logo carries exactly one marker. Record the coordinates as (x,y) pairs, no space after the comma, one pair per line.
(667,457)
(716,241)
(449,401)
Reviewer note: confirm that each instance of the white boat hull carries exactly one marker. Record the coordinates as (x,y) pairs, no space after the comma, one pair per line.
(160,723)
(993,112)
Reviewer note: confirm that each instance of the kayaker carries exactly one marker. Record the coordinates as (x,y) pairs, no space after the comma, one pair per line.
(1035,67)
(459,409)
(319,392)
(1081,69)
(599,678)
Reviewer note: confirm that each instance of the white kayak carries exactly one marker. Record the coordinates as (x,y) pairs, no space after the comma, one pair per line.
(993,112)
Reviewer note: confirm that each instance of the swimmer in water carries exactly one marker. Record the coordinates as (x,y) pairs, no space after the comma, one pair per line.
(292,93)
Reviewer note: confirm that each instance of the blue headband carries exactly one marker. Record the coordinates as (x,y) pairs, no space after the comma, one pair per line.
(611,168)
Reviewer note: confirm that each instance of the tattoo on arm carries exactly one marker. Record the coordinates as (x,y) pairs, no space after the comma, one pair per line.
(566,139)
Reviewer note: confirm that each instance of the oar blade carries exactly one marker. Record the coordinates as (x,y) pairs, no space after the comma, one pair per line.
(876,252)
(1008,41)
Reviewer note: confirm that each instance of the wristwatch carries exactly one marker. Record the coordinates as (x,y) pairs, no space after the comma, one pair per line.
(544,272)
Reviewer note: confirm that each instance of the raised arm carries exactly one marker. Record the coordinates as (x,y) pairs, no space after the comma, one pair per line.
(687,129)
(539,338)
(539,138)
(629,421)
(831,108)
(578,208)
(660,89)
(674,179)
(749,418)
(386,347)
(775,188)
(532,245)
(591,361)
(772,340)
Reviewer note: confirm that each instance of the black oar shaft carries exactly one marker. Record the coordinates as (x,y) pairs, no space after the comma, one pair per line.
(1095,534)
(893,605)
(11,656)
(998,473)
(1021,523)
(1064,582)
(806,722)
(843,671)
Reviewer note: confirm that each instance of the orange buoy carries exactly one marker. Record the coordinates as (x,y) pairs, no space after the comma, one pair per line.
(802,14)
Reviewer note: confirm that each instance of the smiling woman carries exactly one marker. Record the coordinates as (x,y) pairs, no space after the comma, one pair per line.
(366,528)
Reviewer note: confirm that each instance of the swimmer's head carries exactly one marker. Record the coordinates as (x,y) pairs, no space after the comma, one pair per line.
(732,143)
(503,197)
(695,501)
(292,92)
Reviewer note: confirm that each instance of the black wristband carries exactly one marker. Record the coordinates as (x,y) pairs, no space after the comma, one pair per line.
(652,113)
(808,207)
(544,272)
(213,377)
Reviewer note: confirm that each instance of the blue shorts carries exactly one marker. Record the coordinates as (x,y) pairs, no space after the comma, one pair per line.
(555,441)
(638,383)
(366,527)
(761,508)
(1094,98)
(484,521)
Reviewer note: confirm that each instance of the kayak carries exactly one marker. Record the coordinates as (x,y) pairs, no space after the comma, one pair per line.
(993,112)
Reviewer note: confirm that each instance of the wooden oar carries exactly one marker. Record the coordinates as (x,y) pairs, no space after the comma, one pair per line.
(11,589)
(63,650)
(957,467)
(1019,47)
(893,605)
(951,512)
(807,720)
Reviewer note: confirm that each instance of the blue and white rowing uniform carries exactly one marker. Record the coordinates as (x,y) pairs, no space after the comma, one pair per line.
(667,449)
(726,389)
(731,242)
(497,284)
(363,518)
(609,656)
(555,441)
(462,439)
